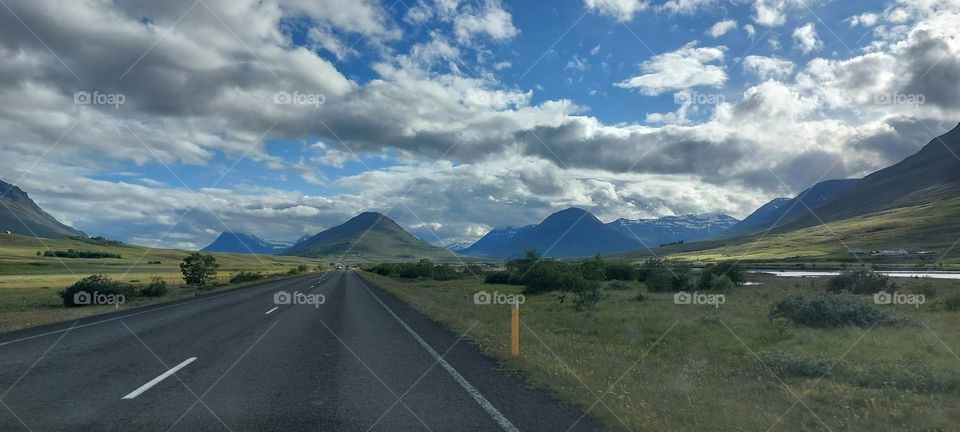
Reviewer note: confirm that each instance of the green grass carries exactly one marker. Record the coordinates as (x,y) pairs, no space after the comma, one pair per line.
(934,227)
(658,366)
(29,283)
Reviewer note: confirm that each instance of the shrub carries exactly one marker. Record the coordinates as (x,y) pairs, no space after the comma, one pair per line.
(951,303)
(588,294)
(619,285)
(246,277)
(826,310)
(786,364)
(96,284)
(199,269)
(595,269)
(551,275)
(621,272)
(664,276)
(501,277)
(859,282)
(71,253)
(157,288)
(714,274)
(716,282)
(303,268)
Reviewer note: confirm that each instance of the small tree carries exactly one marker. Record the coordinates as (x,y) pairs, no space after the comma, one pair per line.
(199,269)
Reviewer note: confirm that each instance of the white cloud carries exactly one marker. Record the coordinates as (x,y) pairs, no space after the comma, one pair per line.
(490,20)
(772,13)
(201,94)
(686,6)
(684,68)
(621,10)
(751,31)
(865,20)
(769,67)
(805,38)
(721,28)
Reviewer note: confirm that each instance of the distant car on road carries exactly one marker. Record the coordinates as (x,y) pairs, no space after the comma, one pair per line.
(339,266)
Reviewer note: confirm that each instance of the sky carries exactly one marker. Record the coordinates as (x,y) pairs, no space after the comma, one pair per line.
(166,123)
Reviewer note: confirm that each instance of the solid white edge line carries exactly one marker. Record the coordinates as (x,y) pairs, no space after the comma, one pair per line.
(157,380)
(477,396)
(271,310)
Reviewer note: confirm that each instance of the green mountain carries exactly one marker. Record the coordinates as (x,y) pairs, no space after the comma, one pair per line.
(930,175)
(369,236)
(21,216)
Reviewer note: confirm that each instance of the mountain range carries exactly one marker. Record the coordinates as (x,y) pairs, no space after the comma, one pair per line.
(20,215)
(576,232)
(915,192)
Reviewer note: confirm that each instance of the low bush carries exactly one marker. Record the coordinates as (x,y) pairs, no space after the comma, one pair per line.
(501,277)
(588,294)
(732,270)
(860,281)
(949,303)
(548,275)
(716,282)
(423,269)
(619,285)
(621,272)
(157,288)
(665,276)
(246,277)
(96,284)
(787,365)
(829,310)
(72,253)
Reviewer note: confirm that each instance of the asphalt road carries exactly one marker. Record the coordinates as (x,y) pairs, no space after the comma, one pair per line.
(237,361)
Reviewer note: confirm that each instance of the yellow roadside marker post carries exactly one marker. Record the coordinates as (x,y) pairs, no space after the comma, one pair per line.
(515,330)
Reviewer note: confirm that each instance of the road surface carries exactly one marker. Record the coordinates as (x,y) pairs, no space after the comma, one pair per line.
(237,361)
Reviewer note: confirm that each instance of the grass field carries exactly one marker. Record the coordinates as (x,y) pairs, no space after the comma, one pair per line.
(657,366)
(932,227)
(29,283)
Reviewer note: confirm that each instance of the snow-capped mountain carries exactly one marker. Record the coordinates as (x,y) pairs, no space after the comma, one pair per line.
(673,229)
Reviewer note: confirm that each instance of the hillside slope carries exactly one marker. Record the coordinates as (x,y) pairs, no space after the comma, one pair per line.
(930,175)
(21,216)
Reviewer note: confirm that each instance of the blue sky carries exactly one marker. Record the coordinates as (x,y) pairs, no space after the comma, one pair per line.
(457,116)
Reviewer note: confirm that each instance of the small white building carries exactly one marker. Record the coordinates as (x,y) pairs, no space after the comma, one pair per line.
(855,251)
(890,252)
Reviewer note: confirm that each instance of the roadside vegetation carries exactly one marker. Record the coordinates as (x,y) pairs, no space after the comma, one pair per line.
(656,364)
(32,286)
